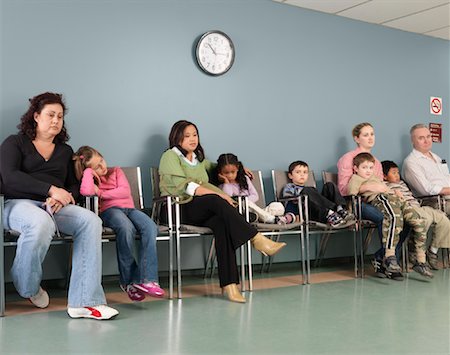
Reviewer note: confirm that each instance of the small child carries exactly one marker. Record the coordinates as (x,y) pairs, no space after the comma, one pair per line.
(118,213)
(394,210)
(235,182)
(432,216)
(328,207)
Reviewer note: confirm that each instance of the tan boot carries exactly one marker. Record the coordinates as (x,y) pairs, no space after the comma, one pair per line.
(233,293)
(265,245)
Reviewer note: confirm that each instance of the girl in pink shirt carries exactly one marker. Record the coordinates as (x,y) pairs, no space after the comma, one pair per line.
(118,213)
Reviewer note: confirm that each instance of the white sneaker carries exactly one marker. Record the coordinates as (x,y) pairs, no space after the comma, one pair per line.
(41,299)
(96,312)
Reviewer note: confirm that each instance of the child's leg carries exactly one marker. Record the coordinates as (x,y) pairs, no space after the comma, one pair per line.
(419,226)
(392,221)
(117,220)
(319,206)
(331,193)
(148,257)
(264,216)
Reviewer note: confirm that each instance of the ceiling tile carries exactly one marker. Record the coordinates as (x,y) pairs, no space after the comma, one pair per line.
(443,33)
(380,11)
(425,21)
(329,6)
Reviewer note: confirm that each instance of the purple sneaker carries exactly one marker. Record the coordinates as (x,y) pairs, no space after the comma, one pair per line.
(150,288)
(133,293)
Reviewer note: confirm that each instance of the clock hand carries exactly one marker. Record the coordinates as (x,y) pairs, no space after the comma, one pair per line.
(212,48)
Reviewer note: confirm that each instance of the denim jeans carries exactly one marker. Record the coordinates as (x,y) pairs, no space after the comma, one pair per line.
(373,214)
(36,229)
(126,222)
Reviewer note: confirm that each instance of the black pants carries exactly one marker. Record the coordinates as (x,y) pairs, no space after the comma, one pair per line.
(230,228)
(319,204)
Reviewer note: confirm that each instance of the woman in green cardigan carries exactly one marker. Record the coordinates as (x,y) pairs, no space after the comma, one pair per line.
(183,172)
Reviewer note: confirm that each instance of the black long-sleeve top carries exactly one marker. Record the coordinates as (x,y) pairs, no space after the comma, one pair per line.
(26,174)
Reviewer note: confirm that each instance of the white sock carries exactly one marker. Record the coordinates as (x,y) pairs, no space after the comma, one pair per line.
(434,250)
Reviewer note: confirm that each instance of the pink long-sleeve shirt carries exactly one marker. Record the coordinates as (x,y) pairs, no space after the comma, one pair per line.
(345,169)
(114,189)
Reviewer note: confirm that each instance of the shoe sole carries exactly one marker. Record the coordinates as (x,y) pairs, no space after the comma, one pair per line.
(91,317)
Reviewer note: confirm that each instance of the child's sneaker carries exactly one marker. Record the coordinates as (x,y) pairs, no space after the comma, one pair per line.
(334,219)
(423,269)
(150,288)
(95,312)
(133,293)
(346,215)
(432,259)
(380,271)
(391,265)
(41,299)
(286,219)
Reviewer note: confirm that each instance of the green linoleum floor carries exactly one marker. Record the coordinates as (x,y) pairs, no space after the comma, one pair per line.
(370,316)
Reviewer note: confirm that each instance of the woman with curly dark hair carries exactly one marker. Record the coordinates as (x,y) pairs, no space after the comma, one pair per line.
(40,189)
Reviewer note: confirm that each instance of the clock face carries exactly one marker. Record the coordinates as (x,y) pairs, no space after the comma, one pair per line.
(215,53)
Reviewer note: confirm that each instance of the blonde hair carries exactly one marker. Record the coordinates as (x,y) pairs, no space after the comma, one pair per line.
(356,131)
(81,159)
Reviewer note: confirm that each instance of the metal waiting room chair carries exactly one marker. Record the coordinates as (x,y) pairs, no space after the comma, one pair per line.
(280,179)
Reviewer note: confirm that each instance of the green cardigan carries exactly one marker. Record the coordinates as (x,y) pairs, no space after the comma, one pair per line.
(175,174)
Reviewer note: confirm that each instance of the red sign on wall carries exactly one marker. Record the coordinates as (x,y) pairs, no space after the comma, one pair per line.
(436,132)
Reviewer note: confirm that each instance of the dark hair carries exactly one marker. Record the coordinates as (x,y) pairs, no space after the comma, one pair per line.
(296,163)
(82,158)
(362,157)
(229,158)
(28,125)
(388,165)
(176,136)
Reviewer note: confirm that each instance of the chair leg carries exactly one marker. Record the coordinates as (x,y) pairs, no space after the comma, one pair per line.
(324,238)
(277,239)
(368,239)
(211,258)
(405,253)
(250,268)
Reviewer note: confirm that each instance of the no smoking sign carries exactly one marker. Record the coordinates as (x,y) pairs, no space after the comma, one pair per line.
(436,105)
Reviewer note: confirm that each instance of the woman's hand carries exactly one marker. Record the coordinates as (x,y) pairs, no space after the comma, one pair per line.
(60,195)
(249,173)
(54,205)
(228,199)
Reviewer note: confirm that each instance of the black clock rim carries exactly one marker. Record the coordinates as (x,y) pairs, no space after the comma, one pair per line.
(198,48)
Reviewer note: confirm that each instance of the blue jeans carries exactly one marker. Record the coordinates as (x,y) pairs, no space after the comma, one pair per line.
(373,214)
(126,222)
(36,229)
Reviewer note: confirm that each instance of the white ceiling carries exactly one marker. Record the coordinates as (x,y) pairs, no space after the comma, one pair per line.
(427,17)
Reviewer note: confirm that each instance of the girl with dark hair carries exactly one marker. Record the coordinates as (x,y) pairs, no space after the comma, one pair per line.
(235,182)
(40,188)
(183,172)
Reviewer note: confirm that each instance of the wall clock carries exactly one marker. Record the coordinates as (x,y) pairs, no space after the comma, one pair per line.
(215,53)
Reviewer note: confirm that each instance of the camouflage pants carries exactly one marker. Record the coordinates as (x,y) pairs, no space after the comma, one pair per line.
(396,212)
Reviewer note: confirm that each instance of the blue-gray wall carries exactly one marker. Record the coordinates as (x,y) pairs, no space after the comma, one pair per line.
(300,82)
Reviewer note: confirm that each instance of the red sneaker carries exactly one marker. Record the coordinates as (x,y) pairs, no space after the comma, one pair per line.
(95,312)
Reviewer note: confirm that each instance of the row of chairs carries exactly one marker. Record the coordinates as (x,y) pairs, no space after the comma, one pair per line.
(303,229)
(172,230)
